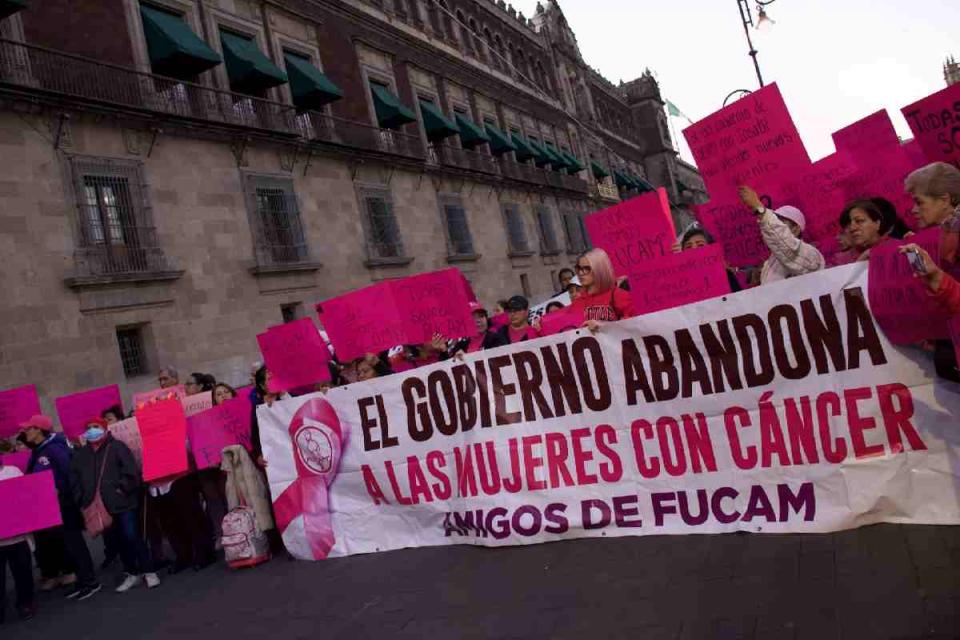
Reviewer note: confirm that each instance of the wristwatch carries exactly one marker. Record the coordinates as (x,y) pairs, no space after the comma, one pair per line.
(759,211)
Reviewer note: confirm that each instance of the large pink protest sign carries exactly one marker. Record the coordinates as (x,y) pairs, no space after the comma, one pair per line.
(141,400)
(16,406)
(224,425)
(29,504)
(678,279)
(735,227)
(903,308)
(295,355)
(163,430)
(935,122)
(18,459)
(634,231)
(402,311)
(866,136)
(77,409)
(748,142)
(128,432)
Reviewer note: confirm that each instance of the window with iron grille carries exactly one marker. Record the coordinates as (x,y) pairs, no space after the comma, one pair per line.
(380,224)
(516,231)
(132,352)
(548,234)
(275,218)
(115,226)
(573,232)
(459,239)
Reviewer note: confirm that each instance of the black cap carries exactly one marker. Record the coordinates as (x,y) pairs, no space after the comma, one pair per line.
(517,303)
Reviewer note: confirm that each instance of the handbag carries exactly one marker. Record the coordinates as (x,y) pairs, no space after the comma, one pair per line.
(96,518)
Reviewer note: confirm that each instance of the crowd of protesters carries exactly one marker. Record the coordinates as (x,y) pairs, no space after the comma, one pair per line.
(100,486)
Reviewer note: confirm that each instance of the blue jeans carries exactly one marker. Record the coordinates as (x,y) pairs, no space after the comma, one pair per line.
(133,551)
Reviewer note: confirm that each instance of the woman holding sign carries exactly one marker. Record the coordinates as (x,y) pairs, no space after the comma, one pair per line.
(15,552)
(601,300)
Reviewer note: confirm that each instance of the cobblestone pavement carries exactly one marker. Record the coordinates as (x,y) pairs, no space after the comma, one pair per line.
(879,582)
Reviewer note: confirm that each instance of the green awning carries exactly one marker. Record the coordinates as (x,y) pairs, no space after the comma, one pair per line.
(500,142)
(391,113)
(524,150)
(598,171)
(249,70)
(10,7)
(558,161)
(437,125)
(643,185)
(311,89)
(470,134)
(542,158)
(573,163)
(174,49)
(622,180)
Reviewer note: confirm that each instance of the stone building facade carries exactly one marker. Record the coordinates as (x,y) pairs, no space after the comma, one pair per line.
(951,71)
(181,174)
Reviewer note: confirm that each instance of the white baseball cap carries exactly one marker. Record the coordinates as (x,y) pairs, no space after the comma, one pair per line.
(793,214)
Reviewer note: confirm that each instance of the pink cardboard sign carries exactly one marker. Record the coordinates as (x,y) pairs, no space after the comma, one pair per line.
(295,354)
(935,122)
(78,408)
(18,459)
(748,142)
(128,432)
(141,400)
(906,313)
(402,311)
(866,136)
(735,227)
(679,279)
(224,425)
(17,405)
(192,405)
(29,504)
(163,430)
(561,320)
(634,231)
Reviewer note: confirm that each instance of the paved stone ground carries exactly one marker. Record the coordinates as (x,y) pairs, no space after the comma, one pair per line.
(879,582)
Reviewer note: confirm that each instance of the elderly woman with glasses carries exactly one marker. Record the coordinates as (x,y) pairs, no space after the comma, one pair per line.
(600,299)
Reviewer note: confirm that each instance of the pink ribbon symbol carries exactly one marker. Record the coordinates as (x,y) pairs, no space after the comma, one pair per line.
(317,445)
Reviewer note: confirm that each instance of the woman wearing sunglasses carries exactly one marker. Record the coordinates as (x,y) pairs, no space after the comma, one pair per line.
(600,299)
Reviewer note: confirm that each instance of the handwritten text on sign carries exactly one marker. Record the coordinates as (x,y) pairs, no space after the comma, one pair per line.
(750,141)
(935,122)
(900,302)
(634,231)
(225,425)
(679,279)
(128,432)
(402,311)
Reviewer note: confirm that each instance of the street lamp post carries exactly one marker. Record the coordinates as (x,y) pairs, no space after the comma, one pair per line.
(747,17)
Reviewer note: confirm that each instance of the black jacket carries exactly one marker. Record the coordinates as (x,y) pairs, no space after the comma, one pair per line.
(120,487)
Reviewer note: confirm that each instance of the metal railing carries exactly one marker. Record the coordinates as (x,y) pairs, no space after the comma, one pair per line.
(70,75)
(462,159)
(113,260)
(314,125)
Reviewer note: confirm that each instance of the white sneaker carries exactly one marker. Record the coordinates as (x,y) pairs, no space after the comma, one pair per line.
(152,580)
(129,582)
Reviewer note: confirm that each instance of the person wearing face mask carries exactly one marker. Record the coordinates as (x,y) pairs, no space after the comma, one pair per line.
(61,551)
(107,464)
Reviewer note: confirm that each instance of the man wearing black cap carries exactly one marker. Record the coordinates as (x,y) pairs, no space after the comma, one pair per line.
(519,328)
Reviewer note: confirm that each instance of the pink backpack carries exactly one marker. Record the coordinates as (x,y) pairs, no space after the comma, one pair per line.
(243,544)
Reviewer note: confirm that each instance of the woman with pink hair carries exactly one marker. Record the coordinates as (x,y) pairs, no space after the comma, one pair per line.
(600,299)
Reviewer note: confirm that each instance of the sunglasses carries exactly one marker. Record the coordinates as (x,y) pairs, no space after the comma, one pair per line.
(583,268)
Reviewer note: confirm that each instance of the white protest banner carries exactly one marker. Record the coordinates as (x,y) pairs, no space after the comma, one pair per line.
(778,409)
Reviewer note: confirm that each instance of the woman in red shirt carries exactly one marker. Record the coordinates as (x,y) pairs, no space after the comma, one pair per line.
(600,299)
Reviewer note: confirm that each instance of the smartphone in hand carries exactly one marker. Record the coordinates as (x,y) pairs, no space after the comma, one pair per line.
(916,262)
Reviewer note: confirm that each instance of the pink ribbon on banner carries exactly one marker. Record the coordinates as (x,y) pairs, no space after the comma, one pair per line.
(317,445)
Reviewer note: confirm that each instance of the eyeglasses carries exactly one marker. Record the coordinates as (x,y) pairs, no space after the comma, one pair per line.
(583,268)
